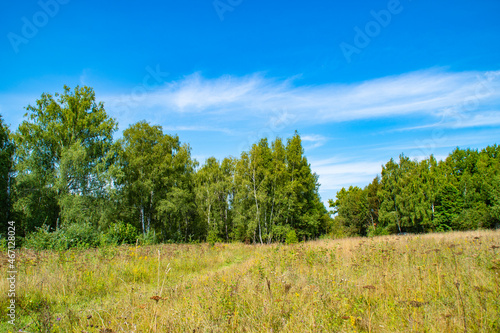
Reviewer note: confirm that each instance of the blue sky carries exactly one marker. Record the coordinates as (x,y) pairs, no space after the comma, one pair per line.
(361,81)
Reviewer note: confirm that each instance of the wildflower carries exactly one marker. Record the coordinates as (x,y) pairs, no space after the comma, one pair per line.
(156,298)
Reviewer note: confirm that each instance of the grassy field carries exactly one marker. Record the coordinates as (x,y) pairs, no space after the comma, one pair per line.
(426,283)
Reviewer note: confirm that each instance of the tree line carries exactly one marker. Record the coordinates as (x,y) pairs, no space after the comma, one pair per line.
(461,192)
(66,182)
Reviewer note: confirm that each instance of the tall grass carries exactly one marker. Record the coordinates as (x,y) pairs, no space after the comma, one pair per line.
(426,283)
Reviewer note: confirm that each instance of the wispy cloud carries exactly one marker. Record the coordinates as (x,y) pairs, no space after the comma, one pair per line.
(313,141)
(429,92)
(446,142)
(196,129)
(467,120)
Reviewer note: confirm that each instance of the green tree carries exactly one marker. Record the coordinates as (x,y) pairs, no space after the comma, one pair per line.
(251,199)
(459,193)
(390,196)
(488,166)
(155,180)
(6,156)
(214,191)
(306,212)
(373,202)
(352,209)
(470,173)
(62,151)
(277,192)
(278,197)
(449,205)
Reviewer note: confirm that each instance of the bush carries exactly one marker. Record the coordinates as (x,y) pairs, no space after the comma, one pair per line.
(372,232)
(120,233)
(42,239)
(336,228)
(81,235)
(150,238)
(291,237)
(213,238)
(75,235)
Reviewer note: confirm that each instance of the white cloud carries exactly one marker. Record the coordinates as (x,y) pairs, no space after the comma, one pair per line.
(196,129)
(313,141)
(429,92)
(483,119)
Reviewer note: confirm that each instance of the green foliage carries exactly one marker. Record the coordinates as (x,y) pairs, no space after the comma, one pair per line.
(120,233)
(62,151)
(372,232)
(6,160)
(212,237)
(154,173)
(149,238)
(81,235)
(459,193)
(291,237)
(72,236)
(214,188)
(276,190)
(43,239)
(494,194)
(357,210)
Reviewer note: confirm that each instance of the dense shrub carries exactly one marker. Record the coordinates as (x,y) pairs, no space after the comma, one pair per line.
(75,235)
(120,233)
(291,237)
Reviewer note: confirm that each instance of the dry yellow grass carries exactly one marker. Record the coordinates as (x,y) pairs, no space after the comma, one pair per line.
(425,283)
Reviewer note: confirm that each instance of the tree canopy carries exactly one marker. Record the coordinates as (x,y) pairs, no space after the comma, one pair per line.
(61,157)
(459,193)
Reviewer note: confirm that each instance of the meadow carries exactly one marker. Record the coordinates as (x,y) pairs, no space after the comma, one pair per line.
(447,282)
